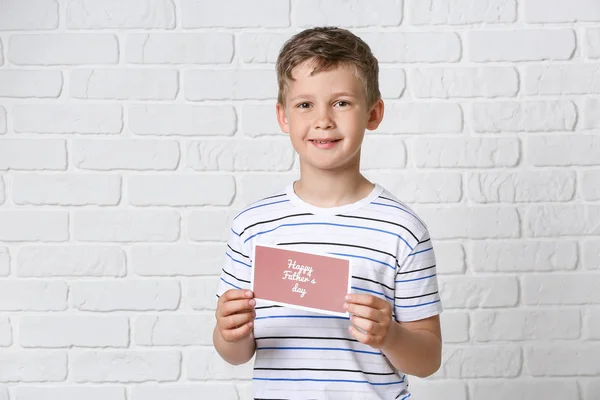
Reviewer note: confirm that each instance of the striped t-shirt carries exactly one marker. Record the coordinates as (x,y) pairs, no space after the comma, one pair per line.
(306,355)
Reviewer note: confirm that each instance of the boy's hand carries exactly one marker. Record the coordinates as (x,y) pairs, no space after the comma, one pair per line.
(371,314)
(235,314)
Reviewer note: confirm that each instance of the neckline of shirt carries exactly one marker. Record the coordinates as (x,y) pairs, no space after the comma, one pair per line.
(297,201)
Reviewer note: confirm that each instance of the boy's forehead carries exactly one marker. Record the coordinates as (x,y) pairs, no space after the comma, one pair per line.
(342,75)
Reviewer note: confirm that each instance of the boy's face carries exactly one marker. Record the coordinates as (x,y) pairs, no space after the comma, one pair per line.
(326,115)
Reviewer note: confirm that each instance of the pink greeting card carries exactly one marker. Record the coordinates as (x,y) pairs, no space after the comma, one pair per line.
(302,280)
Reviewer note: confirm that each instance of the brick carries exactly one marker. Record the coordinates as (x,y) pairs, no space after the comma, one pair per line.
(211,225)
(33,366)
(178,260)
(174,330)
(34,226)
(5,334)
(590,185)
(431,389)
(2,191)
(207,364)
(383,152)
(355,13)
(125,366)
(592,323)
(420,187)
(559,11)
(523,256)
(125,154)
(412,47)
(259,120)
(4,394)
(392,82)
(564,150)
(561,220)
(72,118)
(461,12)
(517,325)
(188,48)
(235,14)
(526,389)
(32,295)
(592,37)
(126,226)
(63,49)
(182,119)
(591,389)
(184,391)
(71,393)
(460,152)
(30,83)
(2,118)
(241,155)
(450,258)
(520,45)
(4,261)
(435,117)
(563,359)
(561,289)
(66,190)
(124,84)
(455,325)
(201,292)
(254,187)
(479,292)
(529,116)
(29,15)
(71,260)
(181,190)
(591,254)
(464,82)
(230,84)
(590,118)
(142,14)
(517,187)
(471,222)
(561,79)
(1,53)
(130,295)
(67,331)
(260,47)
(481,362)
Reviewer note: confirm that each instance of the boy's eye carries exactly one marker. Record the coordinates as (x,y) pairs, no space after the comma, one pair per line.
(341,103)
(303,105)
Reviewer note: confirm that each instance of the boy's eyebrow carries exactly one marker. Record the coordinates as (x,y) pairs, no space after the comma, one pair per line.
(337,94)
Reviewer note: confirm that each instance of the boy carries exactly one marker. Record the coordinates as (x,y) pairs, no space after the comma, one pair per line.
(328,96)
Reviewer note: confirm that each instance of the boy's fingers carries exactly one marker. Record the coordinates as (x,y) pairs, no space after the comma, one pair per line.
(236,320)
(235,307)
(233,335)
(366,300)
(364,312)
(235,294)
(365,324)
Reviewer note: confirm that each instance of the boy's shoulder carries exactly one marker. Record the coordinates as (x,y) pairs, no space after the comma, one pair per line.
(259,210)
(391,205)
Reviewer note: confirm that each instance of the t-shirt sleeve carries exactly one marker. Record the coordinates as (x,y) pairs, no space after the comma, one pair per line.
(237,269)
(416,286)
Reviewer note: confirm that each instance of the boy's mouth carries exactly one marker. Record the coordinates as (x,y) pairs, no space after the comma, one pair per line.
(324,141)
(325,144)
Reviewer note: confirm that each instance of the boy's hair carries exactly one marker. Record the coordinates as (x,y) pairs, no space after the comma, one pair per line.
(328,47)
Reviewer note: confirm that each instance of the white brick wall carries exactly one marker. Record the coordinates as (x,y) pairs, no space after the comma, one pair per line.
(132,132)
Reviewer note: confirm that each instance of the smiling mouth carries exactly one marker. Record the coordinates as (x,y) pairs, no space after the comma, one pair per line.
(324,141)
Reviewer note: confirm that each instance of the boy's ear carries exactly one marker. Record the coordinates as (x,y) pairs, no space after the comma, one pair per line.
(375,115)
(282,118)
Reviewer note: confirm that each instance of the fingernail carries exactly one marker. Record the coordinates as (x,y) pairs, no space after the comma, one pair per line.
(345,306)
(252,302)
(249,293)
(347,297)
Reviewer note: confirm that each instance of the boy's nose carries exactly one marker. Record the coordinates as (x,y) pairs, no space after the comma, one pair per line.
(324,121)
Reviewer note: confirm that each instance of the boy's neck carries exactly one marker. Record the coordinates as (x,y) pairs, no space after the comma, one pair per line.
(332,188)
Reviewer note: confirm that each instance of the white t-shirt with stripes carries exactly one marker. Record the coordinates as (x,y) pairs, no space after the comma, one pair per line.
(305,355)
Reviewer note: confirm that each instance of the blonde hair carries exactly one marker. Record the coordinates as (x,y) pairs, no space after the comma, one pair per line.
(328,47)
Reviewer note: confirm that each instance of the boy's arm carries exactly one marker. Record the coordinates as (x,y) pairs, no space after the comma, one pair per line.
(415,348)
(235,353)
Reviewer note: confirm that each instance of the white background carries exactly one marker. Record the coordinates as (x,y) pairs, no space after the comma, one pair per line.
(131,131)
